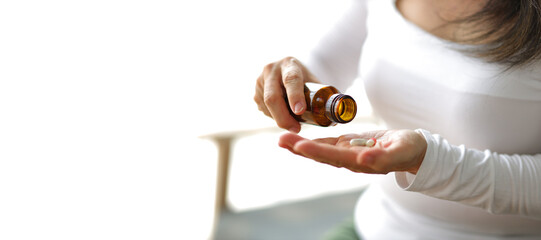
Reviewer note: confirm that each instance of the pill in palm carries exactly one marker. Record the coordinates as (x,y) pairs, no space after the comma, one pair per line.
(363,142)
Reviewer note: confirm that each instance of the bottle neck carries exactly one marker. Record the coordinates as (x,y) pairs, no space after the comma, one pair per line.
(341,108)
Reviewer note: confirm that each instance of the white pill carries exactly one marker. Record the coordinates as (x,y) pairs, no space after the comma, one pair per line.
(358,142)
(362,142)
(370,142)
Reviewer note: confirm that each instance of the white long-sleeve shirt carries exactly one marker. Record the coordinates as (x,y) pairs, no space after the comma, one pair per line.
(481,176)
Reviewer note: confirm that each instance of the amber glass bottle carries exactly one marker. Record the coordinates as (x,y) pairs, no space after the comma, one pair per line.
(326,106)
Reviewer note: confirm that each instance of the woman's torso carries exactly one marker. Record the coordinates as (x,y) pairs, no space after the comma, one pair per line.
(416,80)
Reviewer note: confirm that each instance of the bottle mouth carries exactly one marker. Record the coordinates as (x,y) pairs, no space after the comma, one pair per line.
(342,108)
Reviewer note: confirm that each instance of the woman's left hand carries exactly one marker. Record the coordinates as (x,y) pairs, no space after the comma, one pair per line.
(395,151)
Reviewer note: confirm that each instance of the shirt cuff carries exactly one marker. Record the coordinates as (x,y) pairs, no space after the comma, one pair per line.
(415,182)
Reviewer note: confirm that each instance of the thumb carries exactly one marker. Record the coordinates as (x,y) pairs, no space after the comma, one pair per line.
(375,159)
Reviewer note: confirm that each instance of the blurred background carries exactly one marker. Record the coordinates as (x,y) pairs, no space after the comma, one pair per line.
(110,111)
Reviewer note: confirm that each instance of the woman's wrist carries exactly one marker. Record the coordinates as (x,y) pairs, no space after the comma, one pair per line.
(421,144)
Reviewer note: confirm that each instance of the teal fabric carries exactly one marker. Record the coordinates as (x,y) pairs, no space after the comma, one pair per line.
(343,231)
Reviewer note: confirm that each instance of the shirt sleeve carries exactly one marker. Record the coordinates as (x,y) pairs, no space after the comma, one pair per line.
(498,183)
(335,59)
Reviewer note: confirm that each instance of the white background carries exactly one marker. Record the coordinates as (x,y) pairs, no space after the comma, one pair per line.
(101,103)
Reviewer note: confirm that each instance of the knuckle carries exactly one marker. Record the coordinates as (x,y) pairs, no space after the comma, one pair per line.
(257,99)
(259,83)
(268,68)
(289,59)
(291,77)
(261,108)
(270,98)
(290,62)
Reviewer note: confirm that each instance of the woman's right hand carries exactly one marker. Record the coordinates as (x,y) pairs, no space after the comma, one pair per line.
(278,80)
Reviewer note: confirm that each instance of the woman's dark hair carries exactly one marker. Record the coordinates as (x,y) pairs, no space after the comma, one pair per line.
(510,33)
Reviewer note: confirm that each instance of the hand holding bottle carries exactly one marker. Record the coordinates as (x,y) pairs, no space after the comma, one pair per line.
(279,79)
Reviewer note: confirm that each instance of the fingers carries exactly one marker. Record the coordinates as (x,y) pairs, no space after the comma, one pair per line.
(293,82)
(335,152)
(329,140)
(326,153)
(355,159)
(288,140)
(278,80)
(274,100)
(329,152)
(258,98)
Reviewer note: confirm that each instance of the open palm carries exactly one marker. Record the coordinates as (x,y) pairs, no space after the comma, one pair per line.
(395,150)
